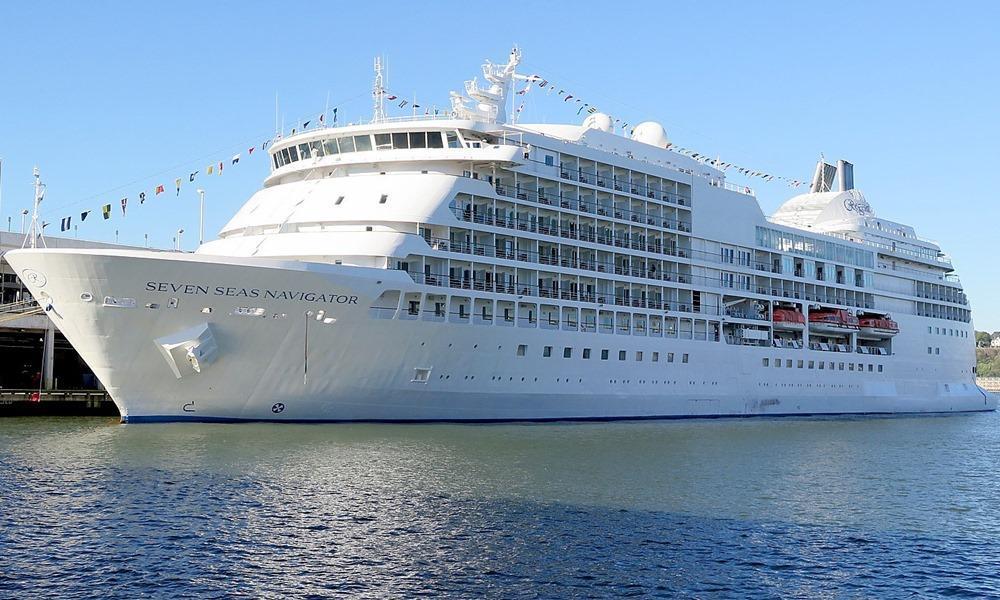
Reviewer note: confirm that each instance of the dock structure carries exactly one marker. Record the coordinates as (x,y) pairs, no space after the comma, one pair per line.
(990,384)
(34,355)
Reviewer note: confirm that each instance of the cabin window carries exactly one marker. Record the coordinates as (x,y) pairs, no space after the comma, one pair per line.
(418,139)
(547,351)
(604,355)
(765,361)
(684,358)
(621,355)
(812,364)
(550,160)
(880,368)
(338,200)
(383,199)
(434,139)
(656,357)
(383,141)
(638,356)
(821,365)
(800,364)
(522,349)
(586,353)
(362,143)
(567,352)
(400,141)
(670,357)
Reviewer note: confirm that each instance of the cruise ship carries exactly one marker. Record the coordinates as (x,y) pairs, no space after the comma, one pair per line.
(468,267)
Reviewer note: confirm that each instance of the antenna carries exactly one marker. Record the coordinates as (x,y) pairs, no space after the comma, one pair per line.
(35,231)
(378,93)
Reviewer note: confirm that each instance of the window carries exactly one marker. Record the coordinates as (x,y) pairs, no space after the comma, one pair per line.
(880,368)
(850,366)
(841,366)
(453,141)
(821,365)
(547,351)
(812,364)
(586,353)
(871,367)
(418,139)
(383,199)
(338,200)
(383,141)
(638,355)
(362,143)
(765,362)
(777,363)
(550,160)
(937,350)
(522,349)
(930,350)
(604,355)
(331,146)
(305,151)
(400,141)
(293,153)
(656,357)
(788,363)
(800,364)
(285,158)
(861,366)
(346,144)
(621,355)
(684,358)
(567,352)
(830,365)
(434,139)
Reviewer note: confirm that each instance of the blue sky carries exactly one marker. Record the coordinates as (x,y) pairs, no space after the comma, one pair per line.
(113,98)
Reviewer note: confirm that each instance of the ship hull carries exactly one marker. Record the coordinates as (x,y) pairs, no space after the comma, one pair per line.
(293,341)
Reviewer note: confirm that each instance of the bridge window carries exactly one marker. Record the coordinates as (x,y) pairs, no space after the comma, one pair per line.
(400,141)
(383,141)
(453,141)
(331,146)
(305,151)
(418,139)
(346,144)
(434,139)
(362,143)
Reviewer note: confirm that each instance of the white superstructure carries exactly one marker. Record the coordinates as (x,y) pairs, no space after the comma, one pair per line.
(466,268)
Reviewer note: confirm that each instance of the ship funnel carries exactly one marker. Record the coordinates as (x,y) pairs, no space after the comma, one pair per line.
(845,176)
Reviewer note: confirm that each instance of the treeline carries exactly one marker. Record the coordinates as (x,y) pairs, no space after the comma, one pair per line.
(988,362)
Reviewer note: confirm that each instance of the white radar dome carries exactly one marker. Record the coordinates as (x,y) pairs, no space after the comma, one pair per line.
(652,133)
(598,121)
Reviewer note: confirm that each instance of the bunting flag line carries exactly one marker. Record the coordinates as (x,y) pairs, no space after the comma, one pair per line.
(124,202)
(159,190)
(209,169)
(106,211)
(335,116)
(83,215)
(236,158)
(177,182)
(220,167)
(191,177)
(65,223)
(142,197)
(250,150)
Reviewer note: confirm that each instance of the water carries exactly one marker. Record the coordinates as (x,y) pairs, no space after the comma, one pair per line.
(897,507)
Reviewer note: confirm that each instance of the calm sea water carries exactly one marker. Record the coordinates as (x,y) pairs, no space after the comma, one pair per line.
(894,507)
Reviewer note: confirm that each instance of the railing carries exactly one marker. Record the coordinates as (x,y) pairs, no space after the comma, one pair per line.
(587,206)
(556,293)
(19,307)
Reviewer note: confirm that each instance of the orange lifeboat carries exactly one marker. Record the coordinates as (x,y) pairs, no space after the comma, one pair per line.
(833,321)
(878,327)
(788,319)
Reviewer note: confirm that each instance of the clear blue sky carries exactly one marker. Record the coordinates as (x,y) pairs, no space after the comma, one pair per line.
(111,98)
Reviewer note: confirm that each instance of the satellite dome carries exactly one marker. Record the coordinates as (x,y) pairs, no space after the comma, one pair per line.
(598,121)
(652,133)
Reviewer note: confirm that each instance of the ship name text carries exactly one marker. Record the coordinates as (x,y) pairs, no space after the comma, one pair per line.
(243,292)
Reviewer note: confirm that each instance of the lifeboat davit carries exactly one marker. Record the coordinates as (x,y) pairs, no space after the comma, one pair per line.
(877,327)
(833,321)
(788,319)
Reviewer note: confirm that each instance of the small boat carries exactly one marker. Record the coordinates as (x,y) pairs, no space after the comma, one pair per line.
(833,321)
(877,326)
(788,319)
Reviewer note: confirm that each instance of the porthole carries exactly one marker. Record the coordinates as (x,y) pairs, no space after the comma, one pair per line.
(87,297)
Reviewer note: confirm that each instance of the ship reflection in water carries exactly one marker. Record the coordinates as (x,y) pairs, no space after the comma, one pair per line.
(758,508)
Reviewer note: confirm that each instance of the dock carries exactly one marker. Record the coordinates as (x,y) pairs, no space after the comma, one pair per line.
(62,403)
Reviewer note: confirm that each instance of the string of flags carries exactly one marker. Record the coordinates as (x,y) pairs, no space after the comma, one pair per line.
(107,211)
(549,87)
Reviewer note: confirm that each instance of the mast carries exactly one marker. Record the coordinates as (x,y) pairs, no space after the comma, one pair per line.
(378,93)
(35,231)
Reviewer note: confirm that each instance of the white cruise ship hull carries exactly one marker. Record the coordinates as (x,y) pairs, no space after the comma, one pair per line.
(267,353)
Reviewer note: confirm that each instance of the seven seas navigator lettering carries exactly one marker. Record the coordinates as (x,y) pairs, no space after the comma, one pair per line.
(242,292)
